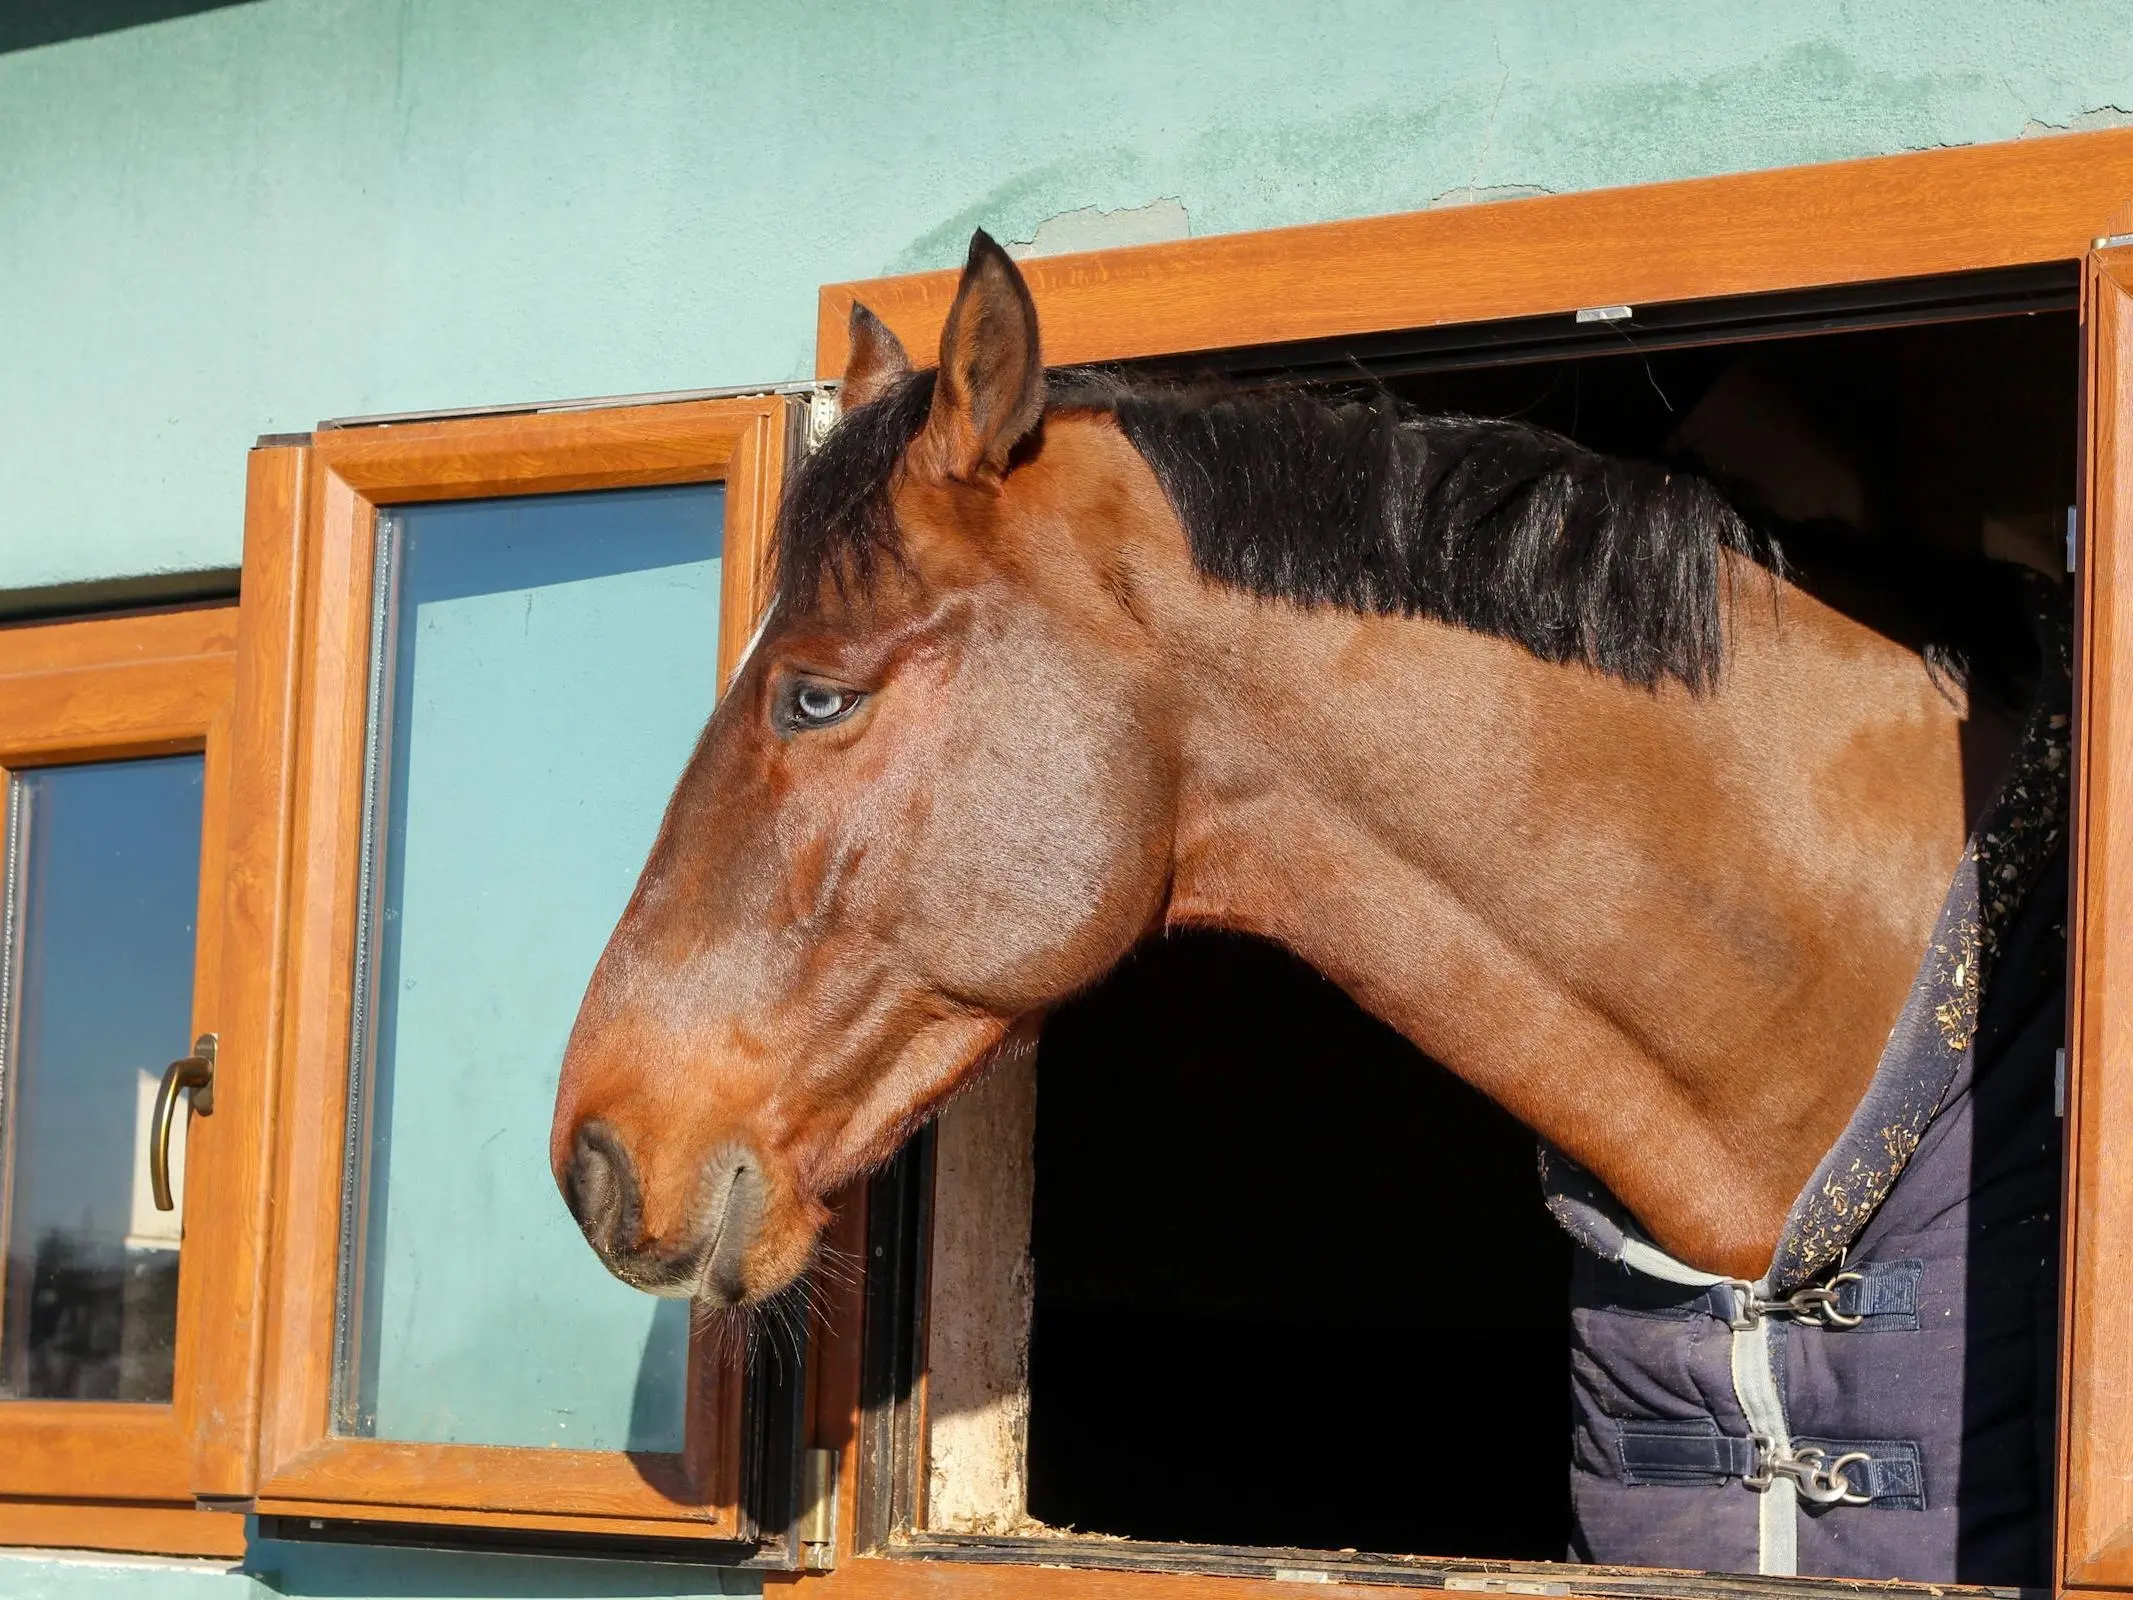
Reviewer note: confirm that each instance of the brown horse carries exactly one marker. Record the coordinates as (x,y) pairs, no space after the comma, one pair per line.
(1540,756)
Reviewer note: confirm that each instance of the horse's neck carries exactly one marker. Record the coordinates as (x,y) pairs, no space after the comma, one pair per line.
(1669,934)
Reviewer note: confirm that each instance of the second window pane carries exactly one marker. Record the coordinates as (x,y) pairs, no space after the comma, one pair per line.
(543,667)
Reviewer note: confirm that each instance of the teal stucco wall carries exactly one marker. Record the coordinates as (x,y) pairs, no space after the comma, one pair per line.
(317,1572)
(248,219)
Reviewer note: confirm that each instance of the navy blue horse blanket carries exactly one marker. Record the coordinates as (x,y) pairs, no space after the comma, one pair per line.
(1879,1405)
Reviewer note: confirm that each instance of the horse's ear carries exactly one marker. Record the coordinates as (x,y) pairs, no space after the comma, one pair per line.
(991,387)
(877,362)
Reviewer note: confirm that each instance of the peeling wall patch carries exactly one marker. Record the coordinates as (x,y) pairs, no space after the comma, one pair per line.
(1468,194)
(1093,228)
(2081,122)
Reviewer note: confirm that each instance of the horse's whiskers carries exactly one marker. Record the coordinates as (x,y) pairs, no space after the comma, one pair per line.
(777,1325)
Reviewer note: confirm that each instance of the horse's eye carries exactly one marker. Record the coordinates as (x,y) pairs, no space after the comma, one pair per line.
(817,705)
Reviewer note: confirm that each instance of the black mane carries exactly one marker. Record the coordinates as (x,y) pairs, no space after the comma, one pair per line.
(1363,503)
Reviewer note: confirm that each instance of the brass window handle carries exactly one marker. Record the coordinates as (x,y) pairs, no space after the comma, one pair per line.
(197,1073)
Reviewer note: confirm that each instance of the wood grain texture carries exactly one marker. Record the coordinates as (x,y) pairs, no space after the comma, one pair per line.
(208,1229)
(82,1449)
(323,675)
(156,691)
(2096,1432)
(489,1519)
(879,1578)
(1182,1573)
(102,690)
(550,452)
(754,482)
(142,636)
(229,1264)
(586,1483)
(309,1097)
(163,1530)
(835,1357)
(1888,217)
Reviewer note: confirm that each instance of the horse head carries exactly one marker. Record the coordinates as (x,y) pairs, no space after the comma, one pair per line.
(936,798)
(1433,701)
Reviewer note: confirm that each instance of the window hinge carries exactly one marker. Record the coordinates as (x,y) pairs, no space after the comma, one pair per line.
(2059,1083)
(1605,314)
(822,414)
(2073,537)
(1477,1583)
(2111,241)
(818,1509)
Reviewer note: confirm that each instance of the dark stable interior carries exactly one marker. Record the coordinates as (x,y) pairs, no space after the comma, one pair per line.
(1294,1282)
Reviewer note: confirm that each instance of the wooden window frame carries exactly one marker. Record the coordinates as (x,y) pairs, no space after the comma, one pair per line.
(2096,1345)
(310,543)
(1514,269)
(114,1474)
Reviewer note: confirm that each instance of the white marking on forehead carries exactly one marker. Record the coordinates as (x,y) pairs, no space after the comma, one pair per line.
(756,638)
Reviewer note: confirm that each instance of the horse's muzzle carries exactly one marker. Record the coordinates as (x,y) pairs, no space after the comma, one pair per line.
(600,1186)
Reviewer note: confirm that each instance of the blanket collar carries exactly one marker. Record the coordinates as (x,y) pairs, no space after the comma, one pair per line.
(1934,1033)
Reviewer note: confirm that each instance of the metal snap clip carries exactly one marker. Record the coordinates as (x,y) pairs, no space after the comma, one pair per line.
(1815,1477)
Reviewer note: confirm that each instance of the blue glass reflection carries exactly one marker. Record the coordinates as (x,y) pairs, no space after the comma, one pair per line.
(551,662)
(103,890)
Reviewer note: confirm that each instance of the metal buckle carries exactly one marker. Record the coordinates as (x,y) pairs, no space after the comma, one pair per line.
(1817,1303)
(1747,1305)
(1814,1475)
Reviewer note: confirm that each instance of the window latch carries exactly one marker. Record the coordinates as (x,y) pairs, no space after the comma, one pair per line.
(197,1073)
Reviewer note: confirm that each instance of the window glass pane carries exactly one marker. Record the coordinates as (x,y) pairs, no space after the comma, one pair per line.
(103,885)
(544,665)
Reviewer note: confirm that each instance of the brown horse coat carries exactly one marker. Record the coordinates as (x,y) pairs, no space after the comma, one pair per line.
(1661,907)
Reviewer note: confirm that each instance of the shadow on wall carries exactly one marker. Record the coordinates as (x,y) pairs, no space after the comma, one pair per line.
(25,24)
(655,1400)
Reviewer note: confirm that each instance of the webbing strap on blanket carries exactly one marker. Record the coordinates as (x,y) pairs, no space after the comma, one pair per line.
(1882,1472)
(1782,1469)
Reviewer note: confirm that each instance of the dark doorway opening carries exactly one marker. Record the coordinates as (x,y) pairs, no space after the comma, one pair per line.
(1295,1284)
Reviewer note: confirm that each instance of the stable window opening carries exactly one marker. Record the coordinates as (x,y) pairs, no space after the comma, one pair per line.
(1232,1266)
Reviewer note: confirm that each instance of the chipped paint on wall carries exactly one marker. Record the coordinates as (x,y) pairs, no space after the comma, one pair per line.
(1468,195)
(1093,228)
(2083,121)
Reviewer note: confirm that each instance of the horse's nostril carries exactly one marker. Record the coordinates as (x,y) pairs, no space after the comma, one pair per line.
(705,1256)
(737,1217)
(600,1187)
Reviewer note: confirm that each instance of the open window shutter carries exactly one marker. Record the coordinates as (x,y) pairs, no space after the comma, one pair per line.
(444,1408)
(2096,1460)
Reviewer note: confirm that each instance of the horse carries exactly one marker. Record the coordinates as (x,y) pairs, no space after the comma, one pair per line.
(1550,761)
